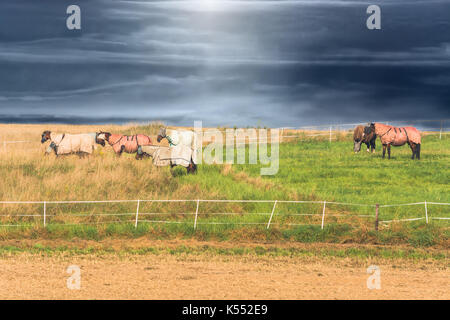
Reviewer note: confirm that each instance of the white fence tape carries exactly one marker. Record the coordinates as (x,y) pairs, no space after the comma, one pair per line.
(196,214)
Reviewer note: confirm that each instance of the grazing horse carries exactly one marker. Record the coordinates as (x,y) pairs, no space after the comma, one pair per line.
(360,135)
(397,136)
(179,137)
(121,143)
(65,143)
(173,156)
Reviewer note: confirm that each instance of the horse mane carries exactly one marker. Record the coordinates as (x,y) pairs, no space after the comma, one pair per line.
(358,133)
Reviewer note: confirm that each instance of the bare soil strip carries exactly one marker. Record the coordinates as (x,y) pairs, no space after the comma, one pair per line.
(205,276)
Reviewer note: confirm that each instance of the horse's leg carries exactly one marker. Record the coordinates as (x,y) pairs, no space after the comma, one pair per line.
(367,145)
(389,151)
(372,146)
(384,150)
(418,152)
(413,149)
(122,148)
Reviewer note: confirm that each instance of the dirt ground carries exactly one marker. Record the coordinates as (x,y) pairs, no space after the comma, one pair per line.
(205,276)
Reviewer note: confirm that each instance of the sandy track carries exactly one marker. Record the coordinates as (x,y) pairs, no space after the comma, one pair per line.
(164,276)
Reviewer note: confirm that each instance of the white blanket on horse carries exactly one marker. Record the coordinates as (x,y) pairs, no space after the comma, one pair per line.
(164,156)
(73,143)
(183,137)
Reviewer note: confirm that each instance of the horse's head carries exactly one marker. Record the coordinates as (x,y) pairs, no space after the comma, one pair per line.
(357,145)
(101,137)
(161,134)
(45,136)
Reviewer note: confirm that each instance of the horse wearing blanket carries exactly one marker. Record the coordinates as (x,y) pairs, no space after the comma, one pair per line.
(165,156)
(66,143)
(180,137)
(396,136)
(122,143)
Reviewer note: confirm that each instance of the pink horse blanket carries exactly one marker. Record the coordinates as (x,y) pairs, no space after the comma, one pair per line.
(397,136)
(131,143)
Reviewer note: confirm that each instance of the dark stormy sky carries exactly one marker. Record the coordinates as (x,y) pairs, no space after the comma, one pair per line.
(274,63)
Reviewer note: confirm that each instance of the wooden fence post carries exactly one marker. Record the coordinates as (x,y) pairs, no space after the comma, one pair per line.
(440,132)
(377,206)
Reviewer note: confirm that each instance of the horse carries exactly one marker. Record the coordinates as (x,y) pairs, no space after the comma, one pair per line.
(360,136)
(65,143)
(121,143)
(179,137)
(396,136)
(165,156)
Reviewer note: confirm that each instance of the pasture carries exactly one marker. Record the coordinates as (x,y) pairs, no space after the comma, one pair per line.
(310,170)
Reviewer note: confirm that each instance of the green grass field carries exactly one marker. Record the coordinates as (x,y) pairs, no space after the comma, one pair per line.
(311,170)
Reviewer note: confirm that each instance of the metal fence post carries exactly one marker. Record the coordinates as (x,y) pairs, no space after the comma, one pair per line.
(137,214)
(377,206)
(45,209)
(426,212)
(196,214)
(273,210)
(323,213)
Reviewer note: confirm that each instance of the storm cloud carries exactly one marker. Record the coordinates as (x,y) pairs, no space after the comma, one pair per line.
(268,63)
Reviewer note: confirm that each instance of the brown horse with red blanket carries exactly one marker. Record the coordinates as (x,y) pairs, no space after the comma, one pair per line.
(396,136)
(121,143)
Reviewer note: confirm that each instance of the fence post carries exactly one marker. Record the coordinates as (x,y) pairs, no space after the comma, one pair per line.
(377,206)
(440,132)
(137,214)
(330,134)
(426,212)
(45,209)
(273,210)
(196,214)
(323,213)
